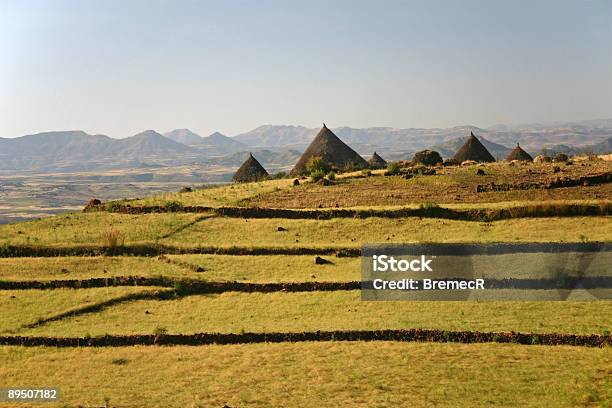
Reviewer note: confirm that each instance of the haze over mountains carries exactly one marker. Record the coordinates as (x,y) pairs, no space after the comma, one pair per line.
(216,144)
(397,143)
(279,146)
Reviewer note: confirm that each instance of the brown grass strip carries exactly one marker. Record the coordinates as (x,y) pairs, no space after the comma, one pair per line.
(433,211)
(181,264)
(182,286)
(558,183)
(193,286)
(14,251)
(409,335)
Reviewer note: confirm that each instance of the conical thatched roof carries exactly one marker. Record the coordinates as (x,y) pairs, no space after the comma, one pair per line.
(377,162)
(519,154)
(251,170)
(329,148)
(473,150)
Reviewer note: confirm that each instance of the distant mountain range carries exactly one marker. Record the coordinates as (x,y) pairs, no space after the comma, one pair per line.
(399,143)
(279,147)
(214,145)
(79,151)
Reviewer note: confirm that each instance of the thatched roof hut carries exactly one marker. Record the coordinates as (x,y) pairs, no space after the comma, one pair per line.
(329,148)
(473,149)
(519,154)
(251,170)
(377,162)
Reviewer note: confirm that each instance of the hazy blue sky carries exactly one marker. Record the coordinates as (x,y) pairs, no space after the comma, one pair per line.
(119,67)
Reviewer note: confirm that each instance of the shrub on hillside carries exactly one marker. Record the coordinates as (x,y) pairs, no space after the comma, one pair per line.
(593,157)
(422,170)
(427,158)
(561,158)
(93,204)
(393,169)
(317,175)
(451,162)
(173,206)
(317,164)
(351,166)
(113,206)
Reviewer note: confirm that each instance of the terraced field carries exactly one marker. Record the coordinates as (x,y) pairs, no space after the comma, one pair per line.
(193,231)
(134,301)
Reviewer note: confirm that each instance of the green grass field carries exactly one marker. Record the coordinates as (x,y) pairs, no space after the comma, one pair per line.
(255,268)
(192,230)
(233,312)
(93,229)
(216,268)
(231,194)
(23,307)
(307,374)
(355,232)
(46,269)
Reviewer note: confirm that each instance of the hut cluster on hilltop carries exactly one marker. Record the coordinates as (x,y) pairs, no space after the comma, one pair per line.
(328,148)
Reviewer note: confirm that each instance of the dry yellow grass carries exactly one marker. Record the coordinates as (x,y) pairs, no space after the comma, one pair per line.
(234,312)
(22,307)
(256,268)
(84,267)
(230,194)
(348,232)
(450,185)
(373,374)
(93,229)
(189,230)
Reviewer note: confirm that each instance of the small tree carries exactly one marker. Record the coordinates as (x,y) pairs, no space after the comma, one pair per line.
(318,164)
(316,175)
